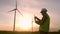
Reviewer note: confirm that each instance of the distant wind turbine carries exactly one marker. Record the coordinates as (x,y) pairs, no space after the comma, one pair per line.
(15,9)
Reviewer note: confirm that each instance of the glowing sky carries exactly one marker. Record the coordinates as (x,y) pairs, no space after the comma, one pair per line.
(29,7)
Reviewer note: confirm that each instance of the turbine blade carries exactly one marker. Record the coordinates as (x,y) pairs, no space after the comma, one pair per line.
(11,10)
(19,12)
(16,4)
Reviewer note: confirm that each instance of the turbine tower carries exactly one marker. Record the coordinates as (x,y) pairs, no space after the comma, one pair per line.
(15,10)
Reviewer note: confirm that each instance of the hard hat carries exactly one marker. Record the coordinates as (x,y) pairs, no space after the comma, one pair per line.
(43,10)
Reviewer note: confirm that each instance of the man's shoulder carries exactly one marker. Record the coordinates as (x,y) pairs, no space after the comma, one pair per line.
(47,16)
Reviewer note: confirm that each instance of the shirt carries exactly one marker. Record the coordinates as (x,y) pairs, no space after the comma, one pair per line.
(45,26)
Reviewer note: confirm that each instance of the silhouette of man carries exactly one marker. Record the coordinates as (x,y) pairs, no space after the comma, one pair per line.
(44,22)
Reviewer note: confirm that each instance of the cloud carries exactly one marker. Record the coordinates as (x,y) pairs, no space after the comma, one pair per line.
(32,3)
(6,2)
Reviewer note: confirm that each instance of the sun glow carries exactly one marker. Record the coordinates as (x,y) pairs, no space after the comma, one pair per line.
(25,22)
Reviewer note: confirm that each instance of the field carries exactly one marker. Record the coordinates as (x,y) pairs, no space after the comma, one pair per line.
(10,32)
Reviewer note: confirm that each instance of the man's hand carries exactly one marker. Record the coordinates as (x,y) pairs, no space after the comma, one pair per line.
(35,17)
(37,20)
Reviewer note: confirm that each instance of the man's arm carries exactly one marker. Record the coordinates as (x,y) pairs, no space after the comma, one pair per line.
(43,19)
(37,20)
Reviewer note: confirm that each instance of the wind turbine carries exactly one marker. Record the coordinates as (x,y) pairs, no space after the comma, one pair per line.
(15,10)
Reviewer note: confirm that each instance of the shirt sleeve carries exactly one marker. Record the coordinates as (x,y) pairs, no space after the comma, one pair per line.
(43,19)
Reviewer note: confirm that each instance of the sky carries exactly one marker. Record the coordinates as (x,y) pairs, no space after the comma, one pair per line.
(29,8)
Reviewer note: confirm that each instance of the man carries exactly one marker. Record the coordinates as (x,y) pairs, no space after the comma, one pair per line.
(44,22)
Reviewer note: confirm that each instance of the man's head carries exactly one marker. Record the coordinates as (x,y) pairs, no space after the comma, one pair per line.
(43,11)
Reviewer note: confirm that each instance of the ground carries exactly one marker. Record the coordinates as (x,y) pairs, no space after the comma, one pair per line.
(10,32)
